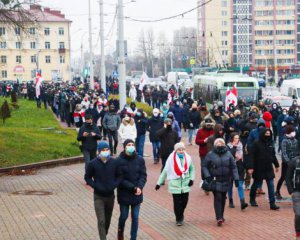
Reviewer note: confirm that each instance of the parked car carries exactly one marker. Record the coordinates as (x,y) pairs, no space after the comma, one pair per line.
(261,82)
(283,101)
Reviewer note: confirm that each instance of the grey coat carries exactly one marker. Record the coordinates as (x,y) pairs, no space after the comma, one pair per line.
(221,167)
(111,121)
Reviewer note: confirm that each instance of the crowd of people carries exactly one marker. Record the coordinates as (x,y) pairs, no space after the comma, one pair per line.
(235,145)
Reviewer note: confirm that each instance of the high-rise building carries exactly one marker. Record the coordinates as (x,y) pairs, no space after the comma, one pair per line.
(45,46)
(259,33)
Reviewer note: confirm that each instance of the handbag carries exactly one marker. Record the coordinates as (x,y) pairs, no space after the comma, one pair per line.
(209,186)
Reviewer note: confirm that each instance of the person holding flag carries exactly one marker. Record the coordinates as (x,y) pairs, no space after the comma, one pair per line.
(231,97)
(143,80)
(38,83)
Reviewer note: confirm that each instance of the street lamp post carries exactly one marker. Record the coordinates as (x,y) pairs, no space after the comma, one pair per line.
(103,74)
(91,49)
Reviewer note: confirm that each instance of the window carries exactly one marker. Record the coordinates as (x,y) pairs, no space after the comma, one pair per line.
(61,31)
(33,59)
(17,31)
(32,31)
(32,45)
(3,59)
(47,31)
(224,23)
(224,3)
(224,52)
(2,31)
(48,59)
(224,13)
(224,33)
(18,59)
(4,74)
(61,45)
(61,59)
(2,45)
(224,43)
(47,45)
(18,45)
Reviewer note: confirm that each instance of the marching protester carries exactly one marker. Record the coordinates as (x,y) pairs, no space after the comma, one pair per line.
(89,134)
(180,172)
(219,168)
(193,122)
(133,175)
(127,129)
(102,176)
(141,122)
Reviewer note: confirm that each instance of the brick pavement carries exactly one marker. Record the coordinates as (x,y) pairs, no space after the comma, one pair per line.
(69,213)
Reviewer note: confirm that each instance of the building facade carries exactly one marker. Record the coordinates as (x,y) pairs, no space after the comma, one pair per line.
(263,33)
(45,46)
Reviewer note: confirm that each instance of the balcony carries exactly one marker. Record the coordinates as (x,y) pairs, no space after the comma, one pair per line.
(61,50)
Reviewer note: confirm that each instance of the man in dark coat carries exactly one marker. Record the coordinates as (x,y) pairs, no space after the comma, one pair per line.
(89,134)
(261,166)
(154,124)
(133,173)
(168,138)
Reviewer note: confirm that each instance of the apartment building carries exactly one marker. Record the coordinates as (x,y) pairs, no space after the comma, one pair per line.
(45,46)
(261,32)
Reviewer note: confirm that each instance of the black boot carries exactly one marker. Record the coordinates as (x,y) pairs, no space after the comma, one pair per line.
(120,234)
(231,205)
(253,203)
(278,195)
(243,204)
(273,206)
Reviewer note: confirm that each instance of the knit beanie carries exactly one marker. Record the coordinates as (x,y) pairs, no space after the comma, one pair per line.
(127,141)
(179,145)
(289,129)
(167,120)
(102,145)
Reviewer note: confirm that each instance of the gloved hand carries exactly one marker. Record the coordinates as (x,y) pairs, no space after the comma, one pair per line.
(157,187)
(209,179)
(236,183)
(191,183)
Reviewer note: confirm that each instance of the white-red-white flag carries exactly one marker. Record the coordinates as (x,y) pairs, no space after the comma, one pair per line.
(231,97)
(144,79)
(38,83)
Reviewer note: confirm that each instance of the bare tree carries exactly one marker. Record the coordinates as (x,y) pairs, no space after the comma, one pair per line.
(142,46)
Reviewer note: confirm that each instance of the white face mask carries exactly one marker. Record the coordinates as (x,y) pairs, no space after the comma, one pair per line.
(127,118)
(155,114)
(291,135)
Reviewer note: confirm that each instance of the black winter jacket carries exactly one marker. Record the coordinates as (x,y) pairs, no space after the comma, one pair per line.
(293,182)
(194,119)
(89,142)
(154,124)
(133,172)
(168,139)
(103,177)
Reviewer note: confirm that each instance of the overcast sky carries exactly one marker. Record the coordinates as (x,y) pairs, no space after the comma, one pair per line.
(77,12)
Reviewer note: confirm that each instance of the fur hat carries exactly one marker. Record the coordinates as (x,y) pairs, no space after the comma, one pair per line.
(179,145)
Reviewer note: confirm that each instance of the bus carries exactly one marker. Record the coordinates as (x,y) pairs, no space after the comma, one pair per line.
(213,86)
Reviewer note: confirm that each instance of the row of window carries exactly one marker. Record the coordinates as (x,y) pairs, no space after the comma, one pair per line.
(33,45)
(271,32)
(265,3)
(271,61)
(3,59)
(32,31)
(278,51)
(270,42)
(271,22)
(263,13)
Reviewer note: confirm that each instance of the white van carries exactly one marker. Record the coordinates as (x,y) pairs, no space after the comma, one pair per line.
(291,88)
(177,78)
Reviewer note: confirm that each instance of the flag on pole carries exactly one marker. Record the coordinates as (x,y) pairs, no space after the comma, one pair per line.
(231,97)
(38,83)
(144,79)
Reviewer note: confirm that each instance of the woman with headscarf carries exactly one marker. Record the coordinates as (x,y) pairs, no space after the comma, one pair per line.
(180,172)
(219,166)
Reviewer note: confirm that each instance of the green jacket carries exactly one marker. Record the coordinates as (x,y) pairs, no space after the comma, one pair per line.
(178,185)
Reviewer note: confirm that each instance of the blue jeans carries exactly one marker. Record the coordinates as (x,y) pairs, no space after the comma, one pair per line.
(240,190)
(139,143)
(135,210)
(156,146)
(270,184)
(191,134)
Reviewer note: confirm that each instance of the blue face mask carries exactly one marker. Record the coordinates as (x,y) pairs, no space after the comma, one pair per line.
(138,114)
(104,154)
(180,155)
(130,150)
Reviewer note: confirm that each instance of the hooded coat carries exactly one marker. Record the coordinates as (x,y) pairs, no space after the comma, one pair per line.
(263,157)
(127,130)
(202,134)
(212,138)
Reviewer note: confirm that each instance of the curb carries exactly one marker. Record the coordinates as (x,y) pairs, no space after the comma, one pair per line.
(45,164)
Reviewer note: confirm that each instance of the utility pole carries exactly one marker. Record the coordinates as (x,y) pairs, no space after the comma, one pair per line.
(91,49)
(103,73)
(121,59)
(171,58)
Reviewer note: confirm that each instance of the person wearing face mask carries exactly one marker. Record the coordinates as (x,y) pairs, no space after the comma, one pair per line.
(230,126)
(193,122)
(175,124)
(177,112)
(262,159)
(220,166)
(275,112)
(218,133)
(168,138)
(164,110)
(289,150)
(132,108)
(102,176)
(154,124)
(127,129)
(89,134)
(132,171)
(288,120)
(236,148)
(180,172)
(132,93)
(141,122)
(111,122)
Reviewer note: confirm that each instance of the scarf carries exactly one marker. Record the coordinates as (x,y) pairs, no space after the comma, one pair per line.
(174,168)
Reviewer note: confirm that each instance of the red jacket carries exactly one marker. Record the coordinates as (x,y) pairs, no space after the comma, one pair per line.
(202,134)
